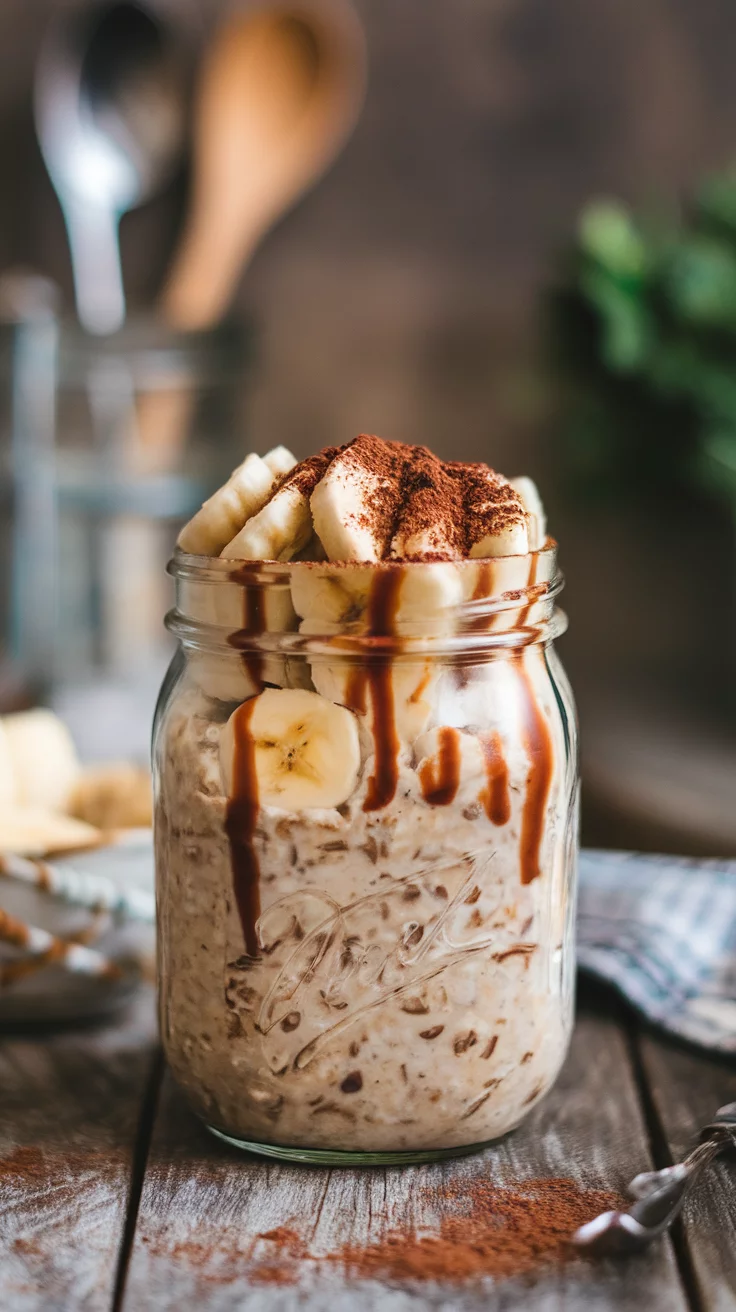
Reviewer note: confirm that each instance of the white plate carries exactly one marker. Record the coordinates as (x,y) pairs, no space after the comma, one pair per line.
(53,995)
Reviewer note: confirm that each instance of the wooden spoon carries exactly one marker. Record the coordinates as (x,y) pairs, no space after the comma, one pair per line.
(280,90)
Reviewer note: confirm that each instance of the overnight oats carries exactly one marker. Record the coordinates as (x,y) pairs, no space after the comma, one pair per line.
(366,807)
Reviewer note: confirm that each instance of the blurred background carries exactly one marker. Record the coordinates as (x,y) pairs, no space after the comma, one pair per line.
(514,242)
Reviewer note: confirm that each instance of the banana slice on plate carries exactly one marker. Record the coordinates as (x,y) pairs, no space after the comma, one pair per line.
(305,749)
(42,757)
(35,832)
(116,796)
(227,510)
(7,777)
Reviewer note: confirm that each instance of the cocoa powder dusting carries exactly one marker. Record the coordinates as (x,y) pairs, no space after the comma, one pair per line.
(485,1231)
(431,507)
(437,509)
(306,475)
(494,1231)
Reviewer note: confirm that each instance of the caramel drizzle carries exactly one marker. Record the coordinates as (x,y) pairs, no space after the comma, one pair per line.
(495,797)
(374,678)
(240,823)
(538,747)
(440,775)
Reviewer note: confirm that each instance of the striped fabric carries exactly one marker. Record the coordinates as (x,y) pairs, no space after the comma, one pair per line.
(662,930)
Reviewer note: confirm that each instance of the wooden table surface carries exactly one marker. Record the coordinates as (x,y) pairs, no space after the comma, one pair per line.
(113,1196)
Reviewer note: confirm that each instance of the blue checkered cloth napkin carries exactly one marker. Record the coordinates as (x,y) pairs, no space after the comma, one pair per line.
(662,930)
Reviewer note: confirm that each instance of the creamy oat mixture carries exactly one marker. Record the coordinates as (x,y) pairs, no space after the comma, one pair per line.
(365,868)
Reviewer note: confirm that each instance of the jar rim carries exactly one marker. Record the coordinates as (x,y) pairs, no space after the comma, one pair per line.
(218,569)
(505,602)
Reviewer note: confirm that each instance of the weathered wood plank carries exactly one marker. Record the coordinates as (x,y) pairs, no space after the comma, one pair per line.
(205,1211)
(69,1111)
(686,1090)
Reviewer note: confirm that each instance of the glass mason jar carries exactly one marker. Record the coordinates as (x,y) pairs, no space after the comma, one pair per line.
(366,831)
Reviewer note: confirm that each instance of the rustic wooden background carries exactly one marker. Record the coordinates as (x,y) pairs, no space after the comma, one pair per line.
(400,296)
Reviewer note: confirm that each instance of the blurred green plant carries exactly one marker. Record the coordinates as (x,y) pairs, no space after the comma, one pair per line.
(642,334)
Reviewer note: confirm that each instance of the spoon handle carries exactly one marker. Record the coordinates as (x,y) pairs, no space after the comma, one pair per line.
(98,276)
(660,1196)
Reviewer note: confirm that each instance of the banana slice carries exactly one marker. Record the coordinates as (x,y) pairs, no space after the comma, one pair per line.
(313,551)
(280,461)
(336,595)
(333,598)
(113,797)
(306,751)
(231,606)
(224,514)
(36,832)
(411,689)
(284,525)
(277,532)
(537,519)
(339,595)
(43,758)
(223,676)
(354,505)
(7,776)
(448,758)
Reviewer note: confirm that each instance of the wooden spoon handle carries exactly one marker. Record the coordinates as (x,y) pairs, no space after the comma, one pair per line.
(280,93)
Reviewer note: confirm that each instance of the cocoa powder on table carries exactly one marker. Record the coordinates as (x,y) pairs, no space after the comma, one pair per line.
(487,1230)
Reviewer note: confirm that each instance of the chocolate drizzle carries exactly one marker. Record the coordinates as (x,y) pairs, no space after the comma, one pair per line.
(495,796)
(254,623)
(240,823)
(440,783)
(538,746)
(531,580)
(483,589)
(374,677)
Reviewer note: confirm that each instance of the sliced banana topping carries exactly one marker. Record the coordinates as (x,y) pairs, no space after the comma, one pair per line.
(356,502)
(224,513)
(284,525)
(495,516)
(365,502)
(537,519)
(305,749)
(277,532)
(280,461)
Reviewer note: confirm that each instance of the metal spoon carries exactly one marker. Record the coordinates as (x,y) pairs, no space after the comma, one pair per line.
(110,116)
(660,1194)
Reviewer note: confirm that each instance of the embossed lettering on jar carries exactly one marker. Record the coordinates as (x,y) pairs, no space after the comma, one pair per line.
(366,832)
